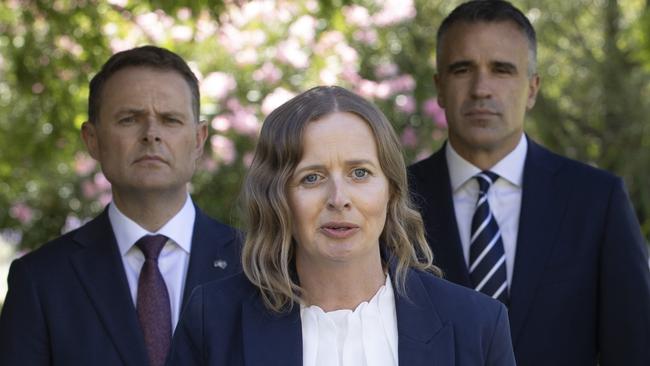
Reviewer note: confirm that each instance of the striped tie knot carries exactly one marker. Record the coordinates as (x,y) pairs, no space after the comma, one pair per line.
(485,180)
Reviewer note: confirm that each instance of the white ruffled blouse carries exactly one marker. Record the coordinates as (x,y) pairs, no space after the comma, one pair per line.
(365,336)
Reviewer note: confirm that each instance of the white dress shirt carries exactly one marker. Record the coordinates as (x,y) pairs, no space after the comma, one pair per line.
(504,197)
(365,336)
(174,257)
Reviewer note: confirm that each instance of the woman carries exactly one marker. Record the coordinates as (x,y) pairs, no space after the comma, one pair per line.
(336,267)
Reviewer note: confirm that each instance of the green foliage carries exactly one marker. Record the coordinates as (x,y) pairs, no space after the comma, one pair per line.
(594,60)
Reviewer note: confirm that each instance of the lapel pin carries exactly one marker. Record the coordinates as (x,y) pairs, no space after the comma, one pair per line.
(220,263)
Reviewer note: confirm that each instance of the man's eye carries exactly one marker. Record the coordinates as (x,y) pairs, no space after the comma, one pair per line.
(172,120)
(127,119)
(459,71)
(360,173)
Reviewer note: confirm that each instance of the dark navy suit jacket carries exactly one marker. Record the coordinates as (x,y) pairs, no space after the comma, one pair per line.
(442,324)
(69,301)
(581,286)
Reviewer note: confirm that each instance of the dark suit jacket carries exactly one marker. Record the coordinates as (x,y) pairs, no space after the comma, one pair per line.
(226,323)
(69,301)
(581,286)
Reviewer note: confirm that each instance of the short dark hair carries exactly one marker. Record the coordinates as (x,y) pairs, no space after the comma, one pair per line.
(491,11)
(145,56)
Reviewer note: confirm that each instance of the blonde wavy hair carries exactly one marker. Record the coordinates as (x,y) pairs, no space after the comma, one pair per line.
(268,253)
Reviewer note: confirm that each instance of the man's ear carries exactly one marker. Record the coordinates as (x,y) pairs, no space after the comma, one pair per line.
(89,135)
(533,88)
(201,136)
(440,97)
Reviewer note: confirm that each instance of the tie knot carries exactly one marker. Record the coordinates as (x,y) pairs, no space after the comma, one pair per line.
(485,180)
(151,245)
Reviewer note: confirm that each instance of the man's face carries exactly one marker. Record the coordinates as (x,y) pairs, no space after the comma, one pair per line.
(146,138)
(484,87)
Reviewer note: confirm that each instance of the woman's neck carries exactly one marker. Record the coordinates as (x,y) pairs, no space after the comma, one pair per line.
(336,286)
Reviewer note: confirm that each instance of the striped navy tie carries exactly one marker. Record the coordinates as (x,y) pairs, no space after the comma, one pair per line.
(487,259)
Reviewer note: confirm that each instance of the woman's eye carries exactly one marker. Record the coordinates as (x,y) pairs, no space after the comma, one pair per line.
(360,173)
(310,178)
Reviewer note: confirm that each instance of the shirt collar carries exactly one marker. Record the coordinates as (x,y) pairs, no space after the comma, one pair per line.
(510,168)
(179,228)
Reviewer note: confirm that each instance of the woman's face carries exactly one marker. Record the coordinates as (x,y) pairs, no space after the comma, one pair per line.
(338,193)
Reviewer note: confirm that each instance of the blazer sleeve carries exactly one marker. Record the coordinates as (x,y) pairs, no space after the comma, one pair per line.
(624,311)
(23,331)
(500,351)
(187,344)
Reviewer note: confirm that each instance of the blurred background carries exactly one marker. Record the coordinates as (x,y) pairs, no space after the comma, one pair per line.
(251,56)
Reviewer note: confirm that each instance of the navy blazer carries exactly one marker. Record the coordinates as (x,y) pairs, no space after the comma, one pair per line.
(438,323)
(581,285)
(69,301)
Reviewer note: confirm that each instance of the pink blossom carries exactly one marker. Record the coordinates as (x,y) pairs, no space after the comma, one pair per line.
(328,76)
(356,15)
(393,12)
(209,164)
(275,99)
(248,159)
(154,24)
(268,73)
(409,137)
(120,3)
(101,182)
(218,84)
(220,123)
(402,83)
(84,164)
(184,14)
(72,222)
(386,70)
(182,33)
(304,28)
(245,121)
(366,88)
(290,52)
(22,212)
(346,53)
(327,41)
(88,189)
(223,148)
(247,56)
(405,103)
(423,154)
(105,198)
(68,44)
(366,36)
(432,109)
(206,27)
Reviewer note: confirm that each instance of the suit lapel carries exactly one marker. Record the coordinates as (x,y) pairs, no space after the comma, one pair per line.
(269,338)
(543,205)
(208,258)
(101,272)
(437,206)
(422,337)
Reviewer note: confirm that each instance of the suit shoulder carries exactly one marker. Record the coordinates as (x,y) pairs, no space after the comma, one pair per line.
(233,289)
(456,301)
(53,251)
(574,169)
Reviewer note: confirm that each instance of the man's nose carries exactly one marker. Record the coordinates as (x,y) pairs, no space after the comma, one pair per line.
(151,129)
(481,86)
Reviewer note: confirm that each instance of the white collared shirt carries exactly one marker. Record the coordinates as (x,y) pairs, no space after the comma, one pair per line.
(365,336)
(504,197)
(174,257)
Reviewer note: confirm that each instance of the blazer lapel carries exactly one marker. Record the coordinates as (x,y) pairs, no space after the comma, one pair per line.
(209,258)
(423,338)
(269,338)
(543,205)
(101,272)
(437,208)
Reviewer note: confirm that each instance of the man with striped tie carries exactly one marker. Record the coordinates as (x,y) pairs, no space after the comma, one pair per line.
(557,241)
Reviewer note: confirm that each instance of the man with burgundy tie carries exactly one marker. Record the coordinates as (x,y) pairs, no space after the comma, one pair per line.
(554,239)
(110,292)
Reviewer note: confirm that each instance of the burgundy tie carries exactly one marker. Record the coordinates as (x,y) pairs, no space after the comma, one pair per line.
(152,305)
